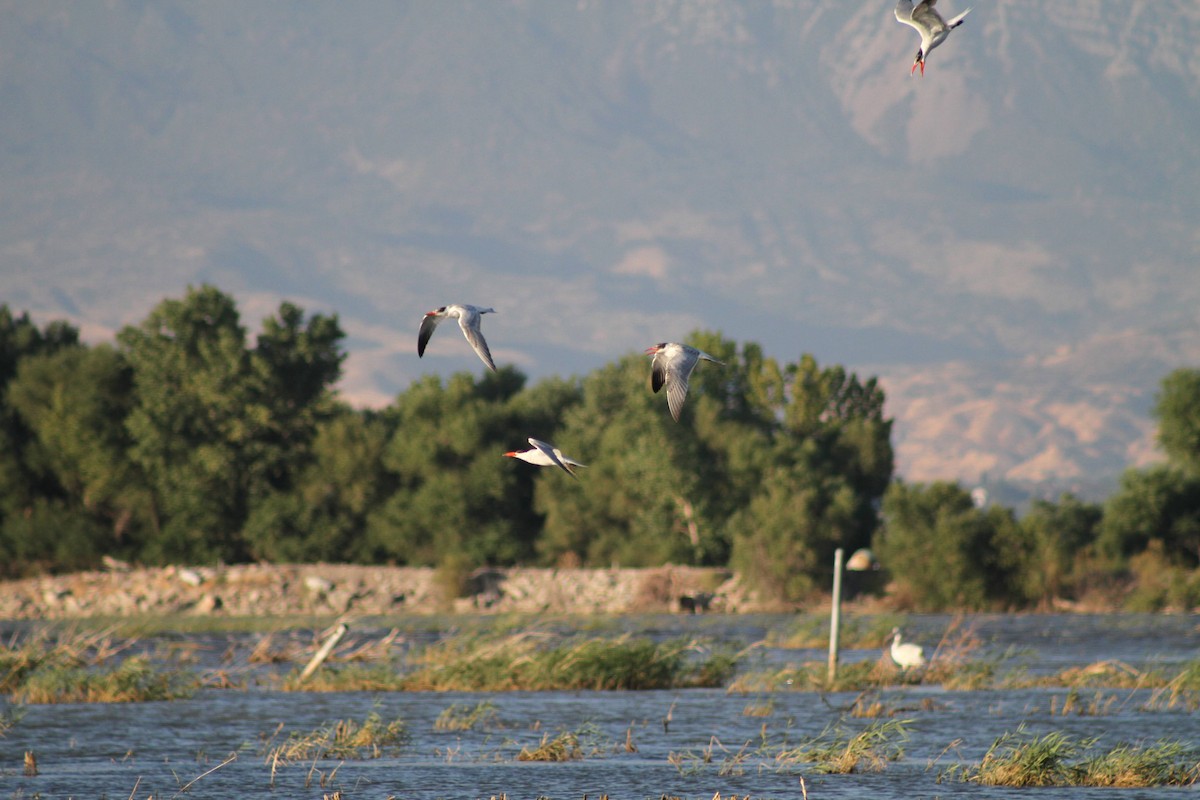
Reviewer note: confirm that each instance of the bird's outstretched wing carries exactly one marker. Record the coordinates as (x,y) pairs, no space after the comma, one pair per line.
(429,323)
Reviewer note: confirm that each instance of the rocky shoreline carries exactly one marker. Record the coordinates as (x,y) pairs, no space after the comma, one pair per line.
(335,589)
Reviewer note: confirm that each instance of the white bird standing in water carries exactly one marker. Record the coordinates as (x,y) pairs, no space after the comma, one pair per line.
(545,454)
(672,366)
(906,655)
(468,320)
(929,24)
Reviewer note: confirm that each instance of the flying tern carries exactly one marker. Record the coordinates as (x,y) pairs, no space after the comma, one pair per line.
(672,366)
(468,319)
(544,454)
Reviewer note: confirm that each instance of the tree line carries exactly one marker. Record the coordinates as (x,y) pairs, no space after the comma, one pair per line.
(186,441)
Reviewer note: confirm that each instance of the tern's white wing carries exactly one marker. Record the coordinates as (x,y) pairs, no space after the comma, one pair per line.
(552,454)
(468,320)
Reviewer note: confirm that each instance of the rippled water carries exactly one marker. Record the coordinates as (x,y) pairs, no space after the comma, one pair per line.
(156,749)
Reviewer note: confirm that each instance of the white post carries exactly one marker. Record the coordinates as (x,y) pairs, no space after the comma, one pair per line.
(835,616)
(323,653)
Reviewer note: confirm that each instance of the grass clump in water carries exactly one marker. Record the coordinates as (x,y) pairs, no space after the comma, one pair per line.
(519,662)
(47,649)
(564,747)
(1023,759)
(462,717)
(343,739)
(837,751)
(1165,763)
(134,680)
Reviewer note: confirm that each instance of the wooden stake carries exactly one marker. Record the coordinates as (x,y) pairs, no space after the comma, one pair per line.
(835,617)
(325,650)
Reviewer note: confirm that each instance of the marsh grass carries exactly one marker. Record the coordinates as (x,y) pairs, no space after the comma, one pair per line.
(462,717)
(135,680)
(812,676)
(765,709)
(728,762)
(1073,704)
(9,719)
(1165,763)
(49,648)
(533,661)
(563,747)
(1108,675)
(342,739)
(812,631)
(868,705)
(347,678)
(838,751)
(525,662)
(1183,690)
(1023,759)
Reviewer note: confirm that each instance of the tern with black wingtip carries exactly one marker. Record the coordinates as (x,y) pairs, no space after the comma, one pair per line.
(468,319)
(672,367)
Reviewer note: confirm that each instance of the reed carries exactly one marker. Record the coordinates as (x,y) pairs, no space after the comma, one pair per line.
(1022,759)
(837,751)
(728,763)
(135,680)
(462,717)
(1075,705)
(564,747)
(1181,690)
(50,648)
(342,739)
(812,676)
(347,678)
(812,631)
(522,662)
(9,719)
(1165,763)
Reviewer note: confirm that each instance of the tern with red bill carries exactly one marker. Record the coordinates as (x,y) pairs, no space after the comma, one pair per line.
(672,366)
(544,454)
(929,23)
(468,320)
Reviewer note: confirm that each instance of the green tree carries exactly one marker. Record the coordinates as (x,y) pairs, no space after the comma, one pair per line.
(324,516)
(1177,409)
(790,529)
(640,501)
(772,467)
(22,480)
(832,439)
(1160,504)
(75,401)
(943,553)
(219,428)
(455,495)
(1061,534)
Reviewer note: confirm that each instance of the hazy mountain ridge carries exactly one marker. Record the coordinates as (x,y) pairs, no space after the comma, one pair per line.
(988,239)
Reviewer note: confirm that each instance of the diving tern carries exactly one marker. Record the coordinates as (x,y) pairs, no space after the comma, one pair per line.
(929,23)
